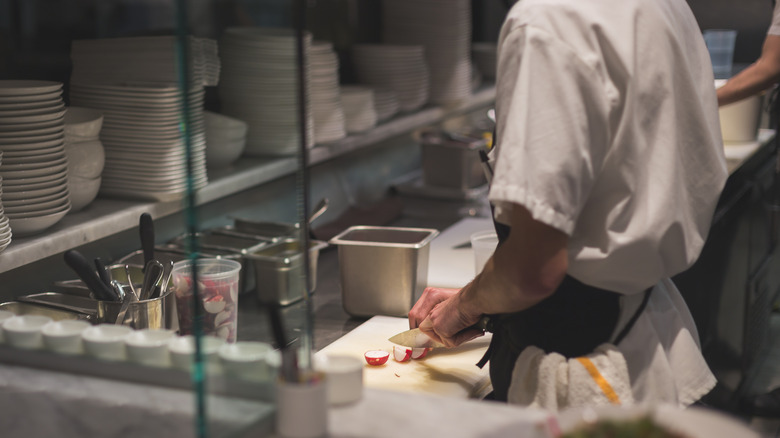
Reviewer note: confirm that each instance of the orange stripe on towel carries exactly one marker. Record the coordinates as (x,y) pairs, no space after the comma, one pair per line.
(606,388)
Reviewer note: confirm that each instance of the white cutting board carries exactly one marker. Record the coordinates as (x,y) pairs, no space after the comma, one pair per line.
(450,267)
(449,372)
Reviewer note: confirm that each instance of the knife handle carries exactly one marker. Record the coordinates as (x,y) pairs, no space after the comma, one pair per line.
(483,323)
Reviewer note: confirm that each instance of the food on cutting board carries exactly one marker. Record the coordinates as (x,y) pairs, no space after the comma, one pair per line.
(401,354)
(376,357)
(643,427)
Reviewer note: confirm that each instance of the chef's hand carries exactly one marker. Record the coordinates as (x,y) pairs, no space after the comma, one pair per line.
(430,297)
(451,323)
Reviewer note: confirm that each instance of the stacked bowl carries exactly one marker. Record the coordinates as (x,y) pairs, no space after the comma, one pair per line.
(359,109)
(86,156)
(443,27)
(225,139)
(35,168)
(386,103)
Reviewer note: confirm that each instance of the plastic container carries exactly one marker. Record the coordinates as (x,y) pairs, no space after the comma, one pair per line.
(383,269)
(720,44)
(218,296)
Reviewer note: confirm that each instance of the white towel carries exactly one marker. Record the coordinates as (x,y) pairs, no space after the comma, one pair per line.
(552,382)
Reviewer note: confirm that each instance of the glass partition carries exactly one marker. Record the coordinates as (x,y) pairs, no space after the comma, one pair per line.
(190,129)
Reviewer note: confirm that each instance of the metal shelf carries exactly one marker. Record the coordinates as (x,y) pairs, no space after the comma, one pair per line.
(106,217)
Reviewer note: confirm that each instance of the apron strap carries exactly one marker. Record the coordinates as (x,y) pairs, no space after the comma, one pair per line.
(634,317)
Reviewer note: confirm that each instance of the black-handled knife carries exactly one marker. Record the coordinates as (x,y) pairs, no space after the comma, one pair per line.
(146,228)
(102,271)
(87,274)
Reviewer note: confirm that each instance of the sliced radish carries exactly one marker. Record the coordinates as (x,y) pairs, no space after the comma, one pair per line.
(376,357)
(401,354)
(215,304)
(419,353)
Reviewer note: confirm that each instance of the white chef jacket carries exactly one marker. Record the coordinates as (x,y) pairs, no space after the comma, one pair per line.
(774,28)
(608,130)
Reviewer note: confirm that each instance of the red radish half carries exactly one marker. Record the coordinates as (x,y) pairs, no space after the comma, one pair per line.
(419,353)
(376,357)
(401,354)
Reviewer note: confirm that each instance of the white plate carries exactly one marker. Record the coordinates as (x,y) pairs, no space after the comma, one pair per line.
(65,206)
(44,97)
(35,158)
(20,193)
(27,87)
(36,196)
(32,135)
(37,208)
(57,134)
(9,181)
(32,225)
(34,118)
(40,126)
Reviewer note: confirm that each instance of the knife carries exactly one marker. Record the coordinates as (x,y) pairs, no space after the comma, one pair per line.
(415,338)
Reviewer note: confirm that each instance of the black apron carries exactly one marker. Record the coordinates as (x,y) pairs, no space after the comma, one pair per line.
(573,321)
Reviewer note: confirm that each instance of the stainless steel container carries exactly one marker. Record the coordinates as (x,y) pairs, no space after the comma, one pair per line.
(452,160)
(268,230)
(383,269)
(279,271)
(155,313)
(233,247)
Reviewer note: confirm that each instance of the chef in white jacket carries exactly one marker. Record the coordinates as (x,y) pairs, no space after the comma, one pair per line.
(607,170)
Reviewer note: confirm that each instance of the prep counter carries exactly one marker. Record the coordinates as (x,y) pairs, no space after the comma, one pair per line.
(75,403)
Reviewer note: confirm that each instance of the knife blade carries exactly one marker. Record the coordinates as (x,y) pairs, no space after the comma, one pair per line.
(415,338)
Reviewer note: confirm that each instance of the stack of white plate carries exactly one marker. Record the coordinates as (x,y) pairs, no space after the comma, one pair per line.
(145,145)
(5,225)
(359,110)
(444,28)
(259,85)
(401,68)
(324,93)
(386,104)
(34,166)
(142,59)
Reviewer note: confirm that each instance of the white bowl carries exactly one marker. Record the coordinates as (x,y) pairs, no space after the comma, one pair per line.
(247,360)
(82,123)
(82,191)
(182,351)
(85,158)
(149,347)
(64,337)
(4,315)
(343,376)
(25,226)
(106,341)
(24,331)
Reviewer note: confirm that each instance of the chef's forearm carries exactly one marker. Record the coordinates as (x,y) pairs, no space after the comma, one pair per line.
(505,287)
(757,77)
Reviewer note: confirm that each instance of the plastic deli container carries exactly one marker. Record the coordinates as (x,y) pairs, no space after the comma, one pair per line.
(218,296)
